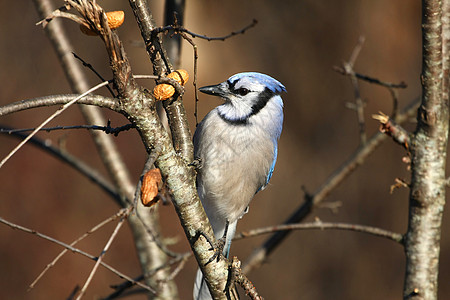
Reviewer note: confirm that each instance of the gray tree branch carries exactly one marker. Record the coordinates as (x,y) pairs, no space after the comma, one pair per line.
(53,100)
(428,159)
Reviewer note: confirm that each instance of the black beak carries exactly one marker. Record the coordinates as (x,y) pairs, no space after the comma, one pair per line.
(215,90)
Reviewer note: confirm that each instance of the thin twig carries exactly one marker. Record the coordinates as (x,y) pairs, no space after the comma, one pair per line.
(155,238)
(369,79)
(61,254)
(54,115)
(195,48)
(394,130)
(359,103)
(394,95)
(53,100)
(107,129)
(178,29)
(90,67)
(392,87)
(178,268)
(356,51)
(75,250)
(122,287)
(61,13)
(239,277)
(102,254)
(146,77)
(396,237)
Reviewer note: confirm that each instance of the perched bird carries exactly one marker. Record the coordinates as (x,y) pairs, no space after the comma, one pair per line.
(236,145)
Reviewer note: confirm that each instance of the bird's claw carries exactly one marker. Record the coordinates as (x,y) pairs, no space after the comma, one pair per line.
(218,246)
(196,163)
(218,250)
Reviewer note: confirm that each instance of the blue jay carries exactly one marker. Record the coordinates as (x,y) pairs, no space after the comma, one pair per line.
(236,144)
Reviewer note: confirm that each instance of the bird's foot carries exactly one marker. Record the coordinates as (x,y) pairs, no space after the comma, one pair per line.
(217,246)
(196,163)
(218,250)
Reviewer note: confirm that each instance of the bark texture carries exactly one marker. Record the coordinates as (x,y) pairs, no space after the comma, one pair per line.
(428,151)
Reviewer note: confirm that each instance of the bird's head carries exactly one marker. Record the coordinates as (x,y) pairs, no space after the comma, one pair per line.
(245,94)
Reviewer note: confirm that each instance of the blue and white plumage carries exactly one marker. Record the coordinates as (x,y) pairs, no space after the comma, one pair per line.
(237,145)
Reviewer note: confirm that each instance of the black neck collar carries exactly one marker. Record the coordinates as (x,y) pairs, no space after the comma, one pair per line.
(264,98)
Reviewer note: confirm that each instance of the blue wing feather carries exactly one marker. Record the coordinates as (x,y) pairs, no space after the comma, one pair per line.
(272,167)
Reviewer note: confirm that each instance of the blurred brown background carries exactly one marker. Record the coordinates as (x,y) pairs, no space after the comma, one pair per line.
(297,42)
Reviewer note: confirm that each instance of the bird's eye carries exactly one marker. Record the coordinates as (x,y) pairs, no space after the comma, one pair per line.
(243,91)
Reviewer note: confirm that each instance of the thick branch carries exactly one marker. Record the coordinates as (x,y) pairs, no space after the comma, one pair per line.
(428,154)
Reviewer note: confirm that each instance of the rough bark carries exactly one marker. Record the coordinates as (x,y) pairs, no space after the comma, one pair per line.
(428,153)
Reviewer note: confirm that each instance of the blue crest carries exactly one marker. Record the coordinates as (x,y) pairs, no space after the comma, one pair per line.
(271,83)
